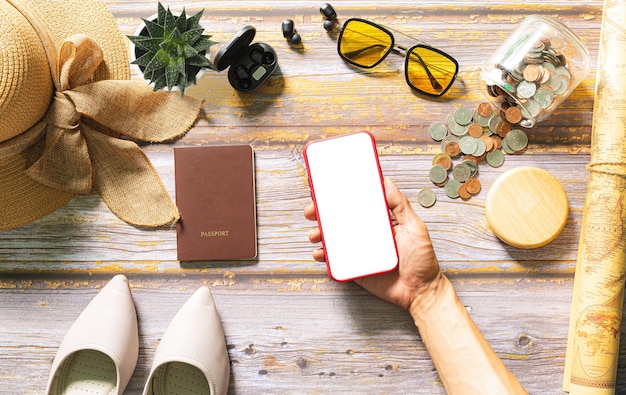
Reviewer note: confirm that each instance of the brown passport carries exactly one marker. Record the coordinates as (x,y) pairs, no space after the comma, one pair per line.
(215,194)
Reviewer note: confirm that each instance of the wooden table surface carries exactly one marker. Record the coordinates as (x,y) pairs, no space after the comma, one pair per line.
(289,328)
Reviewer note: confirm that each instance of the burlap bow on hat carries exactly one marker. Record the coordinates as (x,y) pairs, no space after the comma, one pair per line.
(65,103)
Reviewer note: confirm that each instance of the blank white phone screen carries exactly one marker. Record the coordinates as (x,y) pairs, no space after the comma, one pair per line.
(353,215)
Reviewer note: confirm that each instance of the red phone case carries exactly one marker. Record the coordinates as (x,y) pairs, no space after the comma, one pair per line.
(363,244)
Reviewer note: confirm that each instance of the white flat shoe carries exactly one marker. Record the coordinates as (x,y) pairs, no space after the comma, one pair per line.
(99,352)
(191,358)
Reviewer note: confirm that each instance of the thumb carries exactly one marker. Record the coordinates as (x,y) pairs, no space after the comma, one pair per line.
(397,202)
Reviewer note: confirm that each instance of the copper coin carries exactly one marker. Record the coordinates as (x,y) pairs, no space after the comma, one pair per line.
(472,185)
(513,114)
(489,146)
(485,109)
(471,158)
(503,128)
(475,130)
(532,73)
(445,161)
(463,193)
(453,149)
(497,141)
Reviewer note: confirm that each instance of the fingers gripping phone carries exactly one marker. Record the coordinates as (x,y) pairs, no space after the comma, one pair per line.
(347,188)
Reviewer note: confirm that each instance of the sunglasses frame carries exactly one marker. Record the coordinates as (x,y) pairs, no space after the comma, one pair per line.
(440,52)
(392,47)
(382,28)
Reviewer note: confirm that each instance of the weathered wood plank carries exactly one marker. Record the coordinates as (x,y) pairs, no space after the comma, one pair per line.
(301,334)
(85,236)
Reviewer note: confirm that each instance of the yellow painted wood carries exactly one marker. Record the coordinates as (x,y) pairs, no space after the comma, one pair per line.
(527,207)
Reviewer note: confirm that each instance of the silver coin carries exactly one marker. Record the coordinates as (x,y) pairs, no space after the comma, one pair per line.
(526,89)
(480,148)
(544,96)
(495,158)
(438,131)
(463,116)
(452,189)
(461,172)
(517,140)
(438,174)
(493,122)
(533,108)
(426,197)
(468,145)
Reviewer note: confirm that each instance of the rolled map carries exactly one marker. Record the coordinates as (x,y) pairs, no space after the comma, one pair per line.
(598,295)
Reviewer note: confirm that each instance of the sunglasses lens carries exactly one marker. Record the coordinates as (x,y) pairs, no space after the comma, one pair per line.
(364,44)
(429,70)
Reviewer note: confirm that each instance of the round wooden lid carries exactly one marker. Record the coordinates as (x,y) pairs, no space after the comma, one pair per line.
(527,207)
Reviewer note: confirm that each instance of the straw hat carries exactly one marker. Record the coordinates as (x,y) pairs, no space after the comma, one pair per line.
(65,99)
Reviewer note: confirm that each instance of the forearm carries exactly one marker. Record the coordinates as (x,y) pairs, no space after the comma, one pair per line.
(466,363)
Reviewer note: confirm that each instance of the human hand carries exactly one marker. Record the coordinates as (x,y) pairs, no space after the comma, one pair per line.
(418,274)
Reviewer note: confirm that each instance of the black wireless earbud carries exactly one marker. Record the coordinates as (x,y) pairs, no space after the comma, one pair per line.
(256,55)
(249,64)
(242,77)
(330,16)
(290,33)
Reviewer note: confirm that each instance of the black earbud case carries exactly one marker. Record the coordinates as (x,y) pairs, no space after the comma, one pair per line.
(250,65)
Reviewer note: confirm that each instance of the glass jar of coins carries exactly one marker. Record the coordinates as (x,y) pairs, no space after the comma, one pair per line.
(535,69)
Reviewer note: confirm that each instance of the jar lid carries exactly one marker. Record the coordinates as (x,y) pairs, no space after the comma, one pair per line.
(527,207)
(242,39)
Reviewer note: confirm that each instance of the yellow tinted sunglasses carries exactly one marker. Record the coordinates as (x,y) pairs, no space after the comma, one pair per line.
(427,70)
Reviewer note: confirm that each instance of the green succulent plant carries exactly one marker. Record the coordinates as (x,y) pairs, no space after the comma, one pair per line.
(173,49)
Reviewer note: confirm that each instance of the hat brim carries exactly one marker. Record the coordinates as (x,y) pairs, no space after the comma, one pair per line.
(23,200)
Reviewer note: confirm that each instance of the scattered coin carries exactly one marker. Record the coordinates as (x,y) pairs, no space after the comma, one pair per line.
(449,138)
(493,122)
(517,140)
(443,160)
(503,128)
(481,148)
(426,197)
(513,114)
(485,109)
(456,128)
(452,188)
(506,148)
(475,130)
(472,165)
(438,175)
(461,172)
(453,149)
(497,141)
(482,121)
(495,158)
(438,131)
(468,145)
(472,185)
(462,136)
(489,142)
(463,193)
(463,116)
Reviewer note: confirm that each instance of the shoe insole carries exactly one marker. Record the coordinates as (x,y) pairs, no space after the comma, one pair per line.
(177,378)
(87,372)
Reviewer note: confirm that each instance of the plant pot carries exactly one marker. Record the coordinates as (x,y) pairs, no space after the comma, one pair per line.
(136,52)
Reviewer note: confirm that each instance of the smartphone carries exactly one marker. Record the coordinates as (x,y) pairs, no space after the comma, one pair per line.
(352,213)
